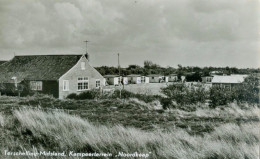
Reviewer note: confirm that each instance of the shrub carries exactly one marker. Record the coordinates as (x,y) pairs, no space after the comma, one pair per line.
(220,96)
(248,91)
(166,102)
(183,95)
(90,94)
(127,94)
(72,96)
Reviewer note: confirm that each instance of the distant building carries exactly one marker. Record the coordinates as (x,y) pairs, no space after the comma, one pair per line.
(173,78)
(144,79)
(134,79)
(155,78)
(112,79)
(57,75)
(212,73)
(228,81)
(183,79)
(125,80)
(207,79)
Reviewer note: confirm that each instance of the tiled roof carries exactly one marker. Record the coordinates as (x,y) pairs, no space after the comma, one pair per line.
(38,67)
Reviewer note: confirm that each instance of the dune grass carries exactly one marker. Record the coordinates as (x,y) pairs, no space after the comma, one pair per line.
(44,123)
(58,131)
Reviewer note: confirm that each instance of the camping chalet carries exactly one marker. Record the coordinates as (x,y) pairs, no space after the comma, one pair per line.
(156,78)
(228,81)
(112,79)
(134,79)
(207,79)
(173,78)
(57,75)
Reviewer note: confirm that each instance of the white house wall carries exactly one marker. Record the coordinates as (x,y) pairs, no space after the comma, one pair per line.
(75,72)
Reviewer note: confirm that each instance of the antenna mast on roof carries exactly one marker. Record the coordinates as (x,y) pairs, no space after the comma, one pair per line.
(87,55)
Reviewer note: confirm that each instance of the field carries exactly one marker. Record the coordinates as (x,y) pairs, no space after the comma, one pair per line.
(42,123)
(144,88)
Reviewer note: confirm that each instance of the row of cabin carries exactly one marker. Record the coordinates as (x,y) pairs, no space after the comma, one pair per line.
(138,79)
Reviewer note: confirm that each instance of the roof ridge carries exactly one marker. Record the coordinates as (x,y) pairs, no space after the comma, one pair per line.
(51,55)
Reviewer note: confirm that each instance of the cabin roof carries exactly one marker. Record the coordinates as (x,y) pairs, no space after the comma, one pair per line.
(110,76)
(154,75)
(37,67)
(133,75)
(173,74)
(229,79)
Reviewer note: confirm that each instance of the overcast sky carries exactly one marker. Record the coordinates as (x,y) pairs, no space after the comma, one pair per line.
(167,32)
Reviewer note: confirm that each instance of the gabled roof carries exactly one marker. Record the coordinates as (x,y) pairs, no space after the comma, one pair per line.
(229,79)
(38,67)
(133,75)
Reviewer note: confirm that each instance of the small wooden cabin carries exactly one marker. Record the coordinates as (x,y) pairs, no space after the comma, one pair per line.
(112,79)
(134,79)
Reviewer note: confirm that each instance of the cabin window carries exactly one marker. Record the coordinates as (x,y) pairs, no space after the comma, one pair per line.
(97,83)
(36,85)
(152,77)
(83,65)
(65,85)
(83,83)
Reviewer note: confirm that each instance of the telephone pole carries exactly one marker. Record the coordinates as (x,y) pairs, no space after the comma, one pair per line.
(119,75)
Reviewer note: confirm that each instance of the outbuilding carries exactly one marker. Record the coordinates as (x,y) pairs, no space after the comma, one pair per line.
(207,79)
(112,79)
(155,78)
(228,82)
(173,78)
(144,79)
(134,79)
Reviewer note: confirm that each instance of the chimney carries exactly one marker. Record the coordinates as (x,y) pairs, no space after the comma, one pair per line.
(86,54)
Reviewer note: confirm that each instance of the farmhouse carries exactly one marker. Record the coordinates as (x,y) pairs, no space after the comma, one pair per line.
(57,75)
(134,79)
(173,78)
(228,81)
(112,79)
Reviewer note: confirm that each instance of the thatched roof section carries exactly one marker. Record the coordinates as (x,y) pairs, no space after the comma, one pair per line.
(1,62)
(40,67)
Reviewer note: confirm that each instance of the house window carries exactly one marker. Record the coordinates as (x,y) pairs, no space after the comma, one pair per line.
(152,77)
(36,85)
(83,83)
(97,83)
(65,85)
(83,65)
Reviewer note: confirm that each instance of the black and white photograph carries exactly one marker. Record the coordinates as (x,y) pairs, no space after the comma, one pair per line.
(133,79)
